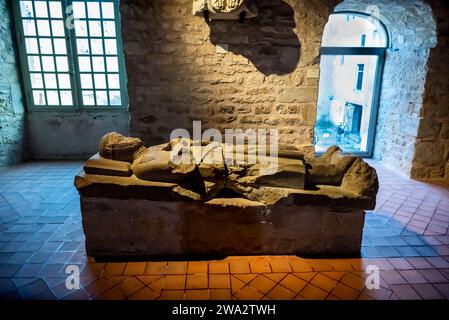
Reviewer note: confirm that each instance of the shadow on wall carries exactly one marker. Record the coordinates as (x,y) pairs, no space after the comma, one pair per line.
(431,159)
(268,41)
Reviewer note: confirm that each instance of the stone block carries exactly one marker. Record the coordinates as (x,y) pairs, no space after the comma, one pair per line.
(446,171)
(145,228)
(429,153)
(300,94)
(102,166)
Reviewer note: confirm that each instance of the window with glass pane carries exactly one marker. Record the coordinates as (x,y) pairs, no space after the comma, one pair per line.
(351,67)
(360,70)
(97,54)
(71,53)
(46,52)
(343,114)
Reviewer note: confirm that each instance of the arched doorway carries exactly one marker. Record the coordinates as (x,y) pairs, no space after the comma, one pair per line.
(352,61)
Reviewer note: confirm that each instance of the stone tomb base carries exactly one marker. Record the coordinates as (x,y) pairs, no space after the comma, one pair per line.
(222,227)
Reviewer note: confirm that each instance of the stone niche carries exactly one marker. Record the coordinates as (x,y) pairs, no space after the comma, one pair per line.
(140,202)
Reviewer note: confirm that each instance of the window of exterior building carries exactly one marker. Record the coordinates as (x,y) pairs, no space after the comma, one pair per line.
(71,54)
(360,70)
(352,61)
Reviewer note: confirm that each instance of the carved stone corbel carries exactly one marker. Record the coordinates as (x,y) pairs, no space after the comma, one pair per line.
(225,9)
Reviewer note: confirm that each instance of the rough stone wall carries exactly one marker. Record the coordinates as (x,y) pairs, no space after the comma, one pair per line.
(11,107)
(431,159)
(264,73)
(399,108)
(413,34)
(179,69)
(409,22)
(71,135)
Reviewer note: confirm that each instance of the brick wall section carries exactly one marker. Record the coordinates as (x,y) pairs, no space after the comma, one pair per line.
(268,79)
(11,108)
(432,148)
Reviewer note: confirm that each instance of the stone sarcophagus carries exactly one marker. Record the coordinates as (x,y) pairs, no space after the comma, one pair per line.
(138,201)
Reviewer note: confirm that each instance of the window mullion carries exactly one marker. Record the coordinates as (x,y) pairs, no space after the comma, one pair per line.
(120,56)
(38,39)
(352,51)
(104,55)
(90,55)
(71,56)
(52,39)
(23,56)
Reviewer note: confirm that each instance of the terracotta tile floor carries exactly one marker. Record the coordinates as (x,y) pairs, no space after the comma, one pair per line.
(41,234)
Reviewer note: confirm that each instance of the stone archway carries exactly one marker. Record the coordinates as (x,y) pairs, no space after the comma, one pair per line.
(413,33)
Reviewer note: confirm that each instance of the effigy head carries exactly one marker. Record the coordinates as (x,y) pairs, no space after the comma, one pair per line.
(115,146)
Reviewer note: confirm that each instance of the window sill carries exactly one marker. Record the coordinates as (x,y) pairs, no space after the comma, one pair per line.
(74,110)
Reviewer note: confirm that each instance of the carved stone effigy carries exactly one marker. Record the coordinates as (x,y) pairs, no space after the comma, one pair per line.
(138,201)
(225,9)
